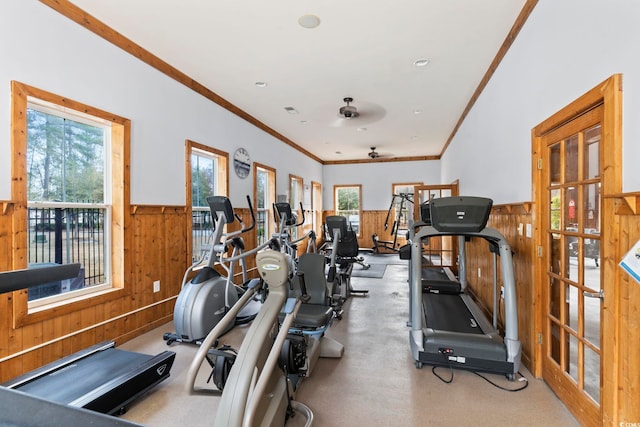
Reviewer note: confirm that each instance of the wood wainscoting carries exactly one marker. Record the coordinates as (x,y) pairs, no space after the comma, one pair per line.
(622,407)
(514,221)
(158,252)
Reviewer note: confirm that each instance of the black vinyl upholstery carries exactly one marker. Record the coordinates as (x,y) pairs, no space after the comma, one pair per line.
(317,311)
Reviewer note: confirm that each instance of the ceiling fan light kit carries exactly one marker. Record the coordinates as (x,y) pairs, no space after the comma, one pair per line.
(348,111)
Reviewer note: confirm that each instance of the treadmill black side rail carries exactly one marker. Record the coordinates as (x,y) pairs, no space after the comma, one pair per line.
(115,393)
(114,396)
(56,365)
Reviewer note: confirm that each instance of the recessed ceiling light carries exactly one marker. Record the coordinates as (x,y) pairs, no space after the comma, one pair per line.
(304,122)
(338,152)
(417,112)
(291,110)
(362,129)
(421,62)
(261,84)
(309,21)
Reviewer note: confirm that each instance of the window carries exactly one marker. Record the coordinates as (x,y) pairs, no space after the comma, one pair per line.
(206,176)
(70,168)
(316,207)
(295,198)
(347,203)
(68,202)
(265,197)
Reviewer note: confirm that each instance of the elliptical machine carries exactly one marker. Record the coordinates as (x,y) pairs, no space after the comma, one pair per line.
(287,221)
(206,298)
(258,389)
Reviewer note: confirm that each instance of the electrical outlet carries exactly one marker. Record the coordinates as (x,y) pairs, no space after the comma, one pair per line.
(156,286)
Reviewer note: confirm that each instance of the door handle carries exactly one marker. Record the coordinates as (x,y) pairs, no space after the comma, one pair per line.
(599,294)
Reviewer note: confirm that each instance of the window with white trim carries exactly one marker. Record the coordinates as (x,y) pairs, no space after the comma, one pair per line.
(69,198)
(346,203)
(208,177)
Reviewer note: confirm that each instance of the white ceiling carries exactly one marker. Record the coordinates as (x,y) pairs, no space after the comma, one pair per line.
(363,49)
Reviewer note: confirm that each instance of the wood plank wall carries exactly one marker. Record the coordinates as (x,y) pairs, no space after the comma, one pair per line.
(626,235)
(159,251)
(511,221)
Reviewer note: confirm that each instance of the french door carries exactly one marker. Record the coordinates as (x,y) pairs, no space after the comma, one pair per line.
(572,295)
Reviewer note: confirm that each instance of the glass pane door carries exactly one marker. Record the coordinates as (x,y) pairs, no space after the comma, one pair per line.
(572,327)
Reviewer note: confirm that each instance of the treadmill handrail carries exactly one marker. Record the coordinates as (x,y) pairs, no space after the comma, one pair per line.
(14,280)
(506,263)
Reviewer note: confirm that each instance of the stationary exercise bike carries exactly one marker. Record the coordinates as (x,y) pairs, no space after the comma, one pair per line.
(258,389)
(344,253)
(206,298)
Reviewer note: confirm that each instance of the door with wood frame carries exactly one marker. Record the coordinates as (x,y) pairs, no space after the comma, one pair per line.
(572,296)
(438,251)
(577,175)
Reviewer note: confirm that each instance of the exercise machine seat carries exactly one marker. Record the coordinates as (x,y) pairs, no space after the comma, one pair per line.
(317,312)
(348,241)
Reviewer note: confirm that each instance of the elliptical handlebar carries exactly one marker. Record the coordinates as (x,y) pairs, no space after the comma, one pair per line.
(253,217)
(240,220)
(302,221)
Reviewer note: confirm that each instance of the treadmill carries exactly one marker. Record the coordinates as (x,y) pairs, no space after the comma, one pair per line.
(100,378)
(447,326)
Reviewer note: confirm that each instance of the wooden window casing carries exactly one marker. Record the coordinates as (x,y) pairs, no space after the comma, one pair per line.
(120,198)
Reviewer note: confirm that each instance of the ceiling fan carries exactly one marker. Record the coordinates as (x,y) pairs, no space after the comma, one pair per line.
(366,113)
(348,111)
(373,154)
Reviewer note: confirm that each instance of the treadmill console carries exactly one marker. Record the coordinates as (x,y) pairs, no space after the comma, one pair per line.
(460,214)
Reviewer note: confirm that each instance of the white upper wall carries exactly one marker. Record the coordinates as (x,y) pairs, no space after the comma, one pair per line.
(377,180)
(64,58)
(565,49)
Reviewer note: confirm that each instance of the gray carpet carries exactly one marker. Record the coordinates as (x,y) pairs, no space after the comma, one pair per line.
(375,271)
(387,259)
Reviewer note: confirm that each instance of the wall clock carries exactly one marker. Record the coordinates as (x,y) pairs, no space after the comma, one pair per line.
(241,163)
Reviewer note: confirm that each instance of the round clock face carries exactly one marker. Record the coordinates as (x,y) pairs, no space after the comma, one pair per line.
(241,163)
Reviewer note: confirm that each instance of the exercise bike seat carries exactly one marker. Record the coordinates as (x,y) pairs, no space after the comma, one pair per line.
(313,316)
(317,311)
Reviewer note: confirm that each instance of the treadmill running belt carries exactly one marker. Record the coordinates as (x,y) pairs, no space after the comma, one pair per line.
(432,273)
(435,280)
(447,312)
(83,376)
